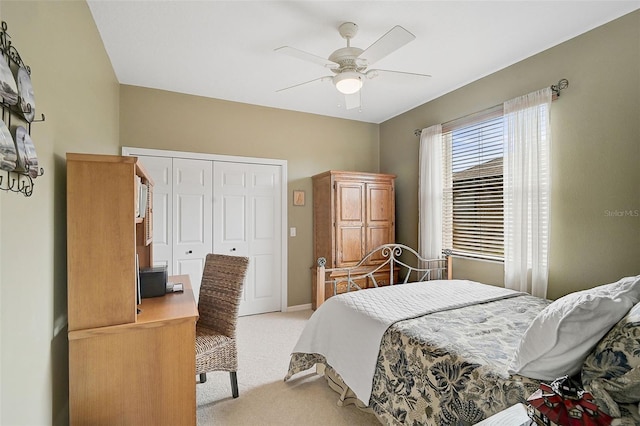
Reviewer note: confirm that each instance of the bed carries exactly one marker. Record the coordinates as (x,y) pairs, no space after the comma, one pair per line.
(436,351)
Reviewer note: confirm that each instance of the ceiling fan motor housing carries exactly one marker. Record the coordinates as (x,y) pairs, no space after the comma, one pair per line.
(346,57)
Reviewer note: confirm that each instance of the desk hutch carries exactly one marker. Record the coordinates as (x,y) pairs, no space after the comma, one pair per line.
(129,363)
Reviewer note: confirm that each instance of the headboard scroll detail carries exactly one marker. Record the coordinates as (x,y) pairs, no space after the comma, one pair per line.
(403,264)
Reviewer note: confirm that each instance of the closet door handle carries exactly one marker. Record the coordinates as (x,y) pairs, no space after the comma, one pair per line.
(190,252)
(233,249)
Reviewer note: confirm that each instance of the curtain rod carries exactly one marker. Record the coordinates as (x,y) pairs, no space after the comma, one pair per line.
(555,88)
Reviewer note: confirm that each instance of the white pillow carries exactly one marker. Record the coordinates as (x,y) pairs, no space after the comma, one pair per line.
(562,334)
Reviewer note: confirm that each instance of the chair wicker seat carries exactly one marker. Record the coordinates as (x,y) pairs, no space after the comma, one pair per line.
(220,292)
(213,348)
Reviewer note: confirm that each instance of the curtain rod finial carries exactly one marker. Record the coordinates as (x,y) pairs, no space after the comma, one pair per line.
(562,84)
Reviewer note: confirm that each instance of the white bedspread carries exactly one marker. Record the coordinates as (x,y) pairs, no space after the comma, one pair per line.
(347,329)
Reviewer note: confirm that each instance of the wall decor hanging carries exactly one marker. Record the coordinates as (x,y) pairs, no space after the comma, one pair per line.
(18,158)
(298,198)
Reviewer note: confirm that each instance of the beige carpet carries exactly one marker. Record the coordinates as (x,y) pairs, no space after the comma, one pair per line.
(264,345)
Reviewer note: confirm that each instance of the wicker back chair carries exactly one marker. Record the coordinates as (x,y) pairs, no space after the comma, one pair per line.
(220,293)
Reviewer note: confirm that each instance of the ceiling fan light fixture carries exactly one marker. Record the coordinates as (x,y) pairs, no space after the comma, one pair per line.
(348,82)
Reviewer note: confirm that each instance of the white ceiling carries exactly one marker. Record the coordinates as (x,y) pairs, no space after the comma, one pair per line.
(225,49)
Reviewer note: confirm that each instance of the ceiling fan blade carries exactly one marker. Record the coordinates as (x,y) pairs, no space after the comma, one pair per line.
(306,56)
(326,77)
(375,73)
(353,100)
(394,39)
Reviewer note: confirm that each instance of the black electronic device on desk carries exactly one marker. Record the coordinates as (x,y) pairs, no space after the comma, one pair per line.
(153,281)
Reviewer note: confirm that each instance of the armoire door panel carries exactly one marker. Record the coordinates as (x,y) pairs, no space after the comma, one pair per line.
(350,202)
(380,202)
(351,248)
(377,236)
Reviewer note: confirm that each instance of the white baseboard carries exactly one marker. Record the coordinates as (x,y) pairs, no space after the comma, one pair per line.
(298,308)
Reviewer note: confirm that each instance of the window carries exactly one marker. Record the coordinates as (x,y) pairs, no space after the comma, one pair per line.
(473,208)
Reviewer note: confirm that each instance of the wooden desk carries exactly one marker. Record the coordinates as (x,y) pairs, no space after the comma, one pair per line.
(140,373)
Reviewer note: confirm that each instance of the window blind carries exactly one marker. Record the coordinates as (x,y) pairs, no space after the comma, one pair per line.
(473,218)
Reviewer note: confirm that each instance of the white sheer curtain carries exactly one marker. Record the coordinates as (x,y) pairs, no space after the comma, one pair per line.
(430,193)
(527,184)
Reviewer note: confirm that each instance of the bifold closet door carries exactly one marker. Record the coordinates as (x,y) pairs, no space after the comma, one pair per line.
(247,222)
(205,206)
(192,230)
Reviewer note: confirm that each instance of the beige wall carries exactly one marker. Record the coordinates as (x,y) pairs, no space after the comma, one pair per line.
(595,153)
(310,143)
(76,89)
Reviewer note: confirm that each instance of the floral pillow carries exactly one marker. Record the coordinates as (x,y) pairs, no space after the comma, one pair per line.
(612,371)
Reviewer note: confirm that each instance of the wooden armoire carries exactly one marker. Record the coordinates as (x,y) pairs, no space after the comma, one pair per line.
(353,213)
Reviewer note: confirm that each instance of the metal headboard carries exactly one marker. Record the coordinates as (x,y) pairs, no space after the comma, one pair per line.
(410,268)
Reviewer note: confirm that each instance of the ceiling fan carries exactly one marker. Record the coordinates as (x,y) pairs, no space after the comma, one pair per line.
(349,64)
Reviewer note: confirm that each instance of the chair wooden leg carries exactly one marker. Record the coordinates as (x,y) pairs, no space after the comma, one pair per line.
(203,377)
(234,384)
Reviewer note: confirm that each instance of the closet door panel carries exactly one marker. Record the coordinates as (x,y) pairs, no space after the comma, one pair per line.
(264,267)
(190,218)
(234,230)
(161,171)
(247,211)
(192,231)
(266,290)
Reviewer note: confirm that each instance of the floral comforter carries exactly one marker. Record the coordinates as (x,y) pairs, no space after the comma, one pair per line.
(448,368)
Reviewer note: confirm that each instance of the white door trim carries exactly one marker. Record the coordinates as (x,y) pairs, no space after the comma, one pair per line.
(131,151)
